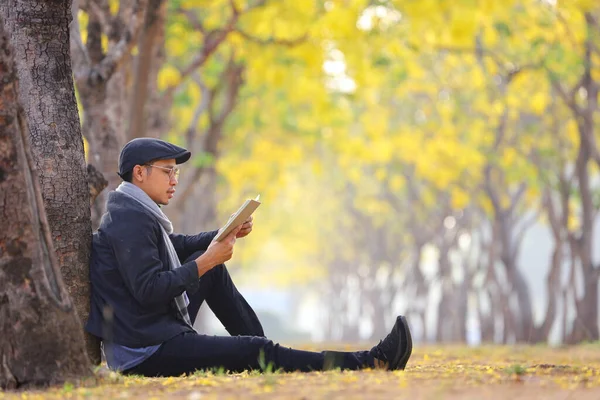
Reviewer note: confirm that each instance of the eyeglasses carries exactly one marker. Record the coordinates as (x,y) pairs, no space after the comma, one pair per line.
(172,171)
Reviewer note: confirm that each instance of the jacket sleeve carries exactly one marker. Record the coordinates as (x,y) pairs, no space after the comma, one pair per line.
(186,245)
(135,247)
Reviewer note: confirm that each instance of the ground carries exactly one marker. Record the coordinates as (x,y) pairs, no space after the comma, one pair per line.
(451,372)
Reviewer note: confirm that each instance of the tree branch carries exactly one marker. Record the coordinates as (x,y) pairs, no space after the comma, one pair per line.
(568,98)
(193,19)
(96,182)
(100,10)
(102,71)
(145,59)
(516,197)
(235,81)
(203,105)
(565,25)
(526,225)
(592,23)
(94,40)
(232,77)
(273,40)
(81,58)
(212,40)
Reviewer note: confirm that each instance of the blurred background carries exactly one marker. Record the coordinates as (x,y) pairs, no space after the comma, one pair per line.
(421,157)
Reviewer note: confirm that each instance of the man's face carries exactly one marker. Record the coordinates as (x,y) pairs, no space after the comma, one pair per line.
(158,180)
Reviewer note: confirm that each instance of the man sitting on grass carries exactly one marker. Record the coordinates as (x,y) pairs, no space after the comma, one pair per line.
(148,284)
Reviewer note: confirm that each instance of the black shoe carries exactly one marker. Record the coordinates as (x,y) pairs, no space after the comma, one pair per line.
(396,348)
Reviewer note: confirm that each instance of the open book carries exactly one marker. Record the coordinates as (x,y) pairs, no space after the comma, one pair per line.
(238,218)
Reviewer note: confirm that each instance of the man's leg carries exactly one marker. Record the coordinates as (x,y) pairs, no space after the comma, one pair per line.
(225,301)
(189,351)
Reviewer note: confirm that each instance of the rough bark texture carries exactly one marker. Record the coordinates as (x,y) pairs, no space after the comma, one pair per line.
(41,341)
(40,35)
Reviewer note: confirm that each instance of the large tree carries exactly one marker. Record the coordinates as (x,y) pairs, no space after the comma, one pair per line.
(40,337)
(40,35)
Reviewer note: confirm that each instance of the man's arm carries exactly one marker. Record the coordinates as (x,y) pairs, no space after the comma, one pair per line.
(186,245)
(136,250)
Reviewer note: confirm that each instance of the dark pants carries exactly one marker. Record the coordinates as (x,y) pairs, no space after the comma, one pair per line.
(247,348)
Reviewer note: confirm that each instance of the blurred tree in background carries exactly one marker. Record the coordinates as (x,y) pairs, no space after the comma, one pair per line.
(402,149)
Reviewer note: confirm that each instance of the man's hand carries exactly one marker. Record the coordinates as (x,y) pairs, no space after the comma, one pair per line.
(245,228)
(217,252)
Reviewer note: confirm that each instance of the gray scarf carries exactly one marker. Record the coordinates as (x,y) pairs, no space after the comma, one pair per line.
(130,190)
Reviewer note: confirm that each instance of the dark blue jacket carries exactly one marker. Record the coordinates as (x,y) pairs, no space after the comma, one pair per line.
(132,284)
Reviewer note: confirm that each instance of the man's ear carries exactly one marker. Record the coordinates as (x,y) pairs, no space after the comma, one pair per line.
(138,173)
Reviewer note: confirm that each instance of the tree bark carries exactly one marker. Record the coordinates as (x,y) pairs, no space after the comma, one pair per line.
(40,33)
(102,82)
(153,24)
(41,341)
(157,114)
(99,124)
(104,142)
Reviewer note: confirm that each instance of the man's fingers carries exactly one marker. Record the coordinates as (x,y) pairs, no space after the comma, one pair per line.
(234,232)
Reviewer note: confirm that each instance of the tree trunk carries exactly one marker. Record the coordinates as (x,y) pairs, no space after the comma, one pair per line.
(542,332)
(40,33)
(102,79)
(462,310)
(585,326)
(525,330)
(153,25)
(41,341)
(101,108)
(104,143)
(157,112)
(523,318)
(445,317)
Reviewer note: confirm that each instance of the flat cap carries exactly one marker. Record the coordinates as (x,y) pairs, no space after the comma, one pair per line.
(141,151)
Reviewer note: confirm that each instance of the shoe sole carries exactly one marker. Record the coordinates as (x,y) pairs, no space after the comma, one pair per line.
(402,359)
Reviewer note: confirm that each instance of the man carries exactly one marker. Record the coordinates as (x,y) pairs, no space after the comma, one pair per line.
(148,284)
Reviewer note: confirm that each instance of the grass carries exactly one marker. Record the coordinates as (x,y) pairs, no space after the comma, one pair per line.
(450,372)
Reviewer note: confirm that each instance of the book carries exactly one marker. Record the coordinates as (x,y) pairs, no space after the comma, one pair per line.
(241,215)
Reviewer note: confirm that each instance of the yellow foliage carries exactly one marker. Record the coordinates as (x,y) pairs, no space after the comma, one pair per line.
(463,26)
(396,183)
(539,102)
(459,198)
(168,76)
(104,43)
(83,21)
(339,22)
(114,6)
(176,47)
(582,5)
(192,4)
(422,102)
